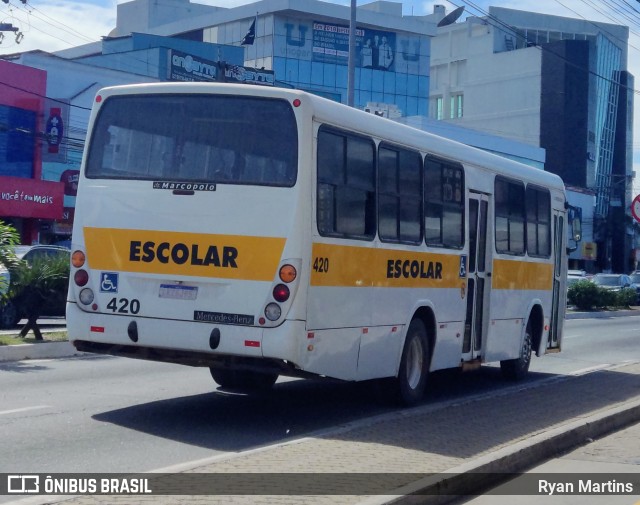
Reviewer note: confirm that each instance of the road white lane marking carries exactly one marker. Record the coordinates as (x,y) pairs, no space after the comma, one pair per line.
(590,369)
(24,409)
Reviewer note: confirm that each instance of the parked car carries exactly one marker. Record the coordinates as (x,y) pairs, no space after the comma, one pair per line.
(10,313)
(635,277)
(574,276)
(616,282)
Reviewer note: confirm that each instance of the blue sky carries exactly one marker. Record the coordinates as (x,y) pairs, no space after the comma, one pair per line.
(52,25)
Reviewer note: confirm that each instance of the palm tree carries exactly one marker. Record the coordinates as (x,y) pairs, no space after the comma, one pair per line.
(8,239)
(36,285)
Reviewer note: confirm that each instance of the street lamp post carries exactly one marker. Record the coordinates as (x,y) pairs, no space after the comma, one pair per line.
(351,71)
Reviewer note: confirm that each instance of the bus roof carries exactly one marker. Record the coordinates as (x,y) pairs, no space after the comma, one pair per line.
(357,120)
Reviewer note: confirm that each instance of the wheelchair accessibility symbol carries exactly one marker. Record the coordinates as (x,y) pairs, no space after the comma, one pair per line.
(108,282)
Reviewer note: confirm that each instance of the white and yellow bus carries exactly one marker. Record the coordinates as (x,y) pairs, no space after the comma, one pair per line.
(264,232)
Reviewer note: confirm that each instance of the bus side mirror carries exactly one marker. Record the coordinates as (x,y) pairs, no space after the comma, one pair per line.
(576,226)
(576,230)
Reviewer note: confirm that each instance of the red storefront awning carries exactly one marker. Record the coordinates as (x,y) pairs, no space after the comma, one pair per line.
(31,198)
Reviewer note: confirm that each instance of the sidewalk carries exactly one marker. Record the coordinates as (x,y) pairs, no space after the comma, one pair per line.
(42,350)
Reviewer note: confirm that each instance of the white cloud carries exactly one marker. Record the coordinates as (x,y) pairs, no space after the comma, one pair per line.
(52,26)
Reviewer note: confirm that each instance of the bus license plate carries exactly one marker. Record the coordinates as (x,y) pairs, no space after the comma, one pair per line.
(178,292)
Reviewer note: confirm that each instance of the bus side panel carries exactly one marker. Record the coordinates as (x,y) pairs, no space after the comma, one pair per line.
(448,345)
(400,305)
(333,352)
(380,349)
(516,284)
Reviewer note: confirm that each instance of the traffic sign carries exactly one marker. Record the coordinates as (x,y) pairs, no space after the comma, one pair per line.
(635,208)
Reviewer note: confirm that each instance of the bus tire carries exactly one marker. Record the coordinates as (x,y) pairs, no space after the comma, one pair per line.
(245,381)
(516,369)
(414,365)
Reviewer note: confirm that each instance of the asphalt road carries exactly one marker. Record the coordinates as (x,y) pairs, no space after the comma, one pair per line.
(105,414)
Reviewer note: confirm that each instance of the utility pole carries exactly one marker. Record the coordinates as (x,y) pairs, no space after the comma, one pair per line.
(351,71)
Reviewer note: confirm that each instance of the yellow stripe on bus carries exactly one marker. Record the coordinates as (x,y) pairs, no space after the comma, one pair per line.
(518,275)
(177,253)
(352,266)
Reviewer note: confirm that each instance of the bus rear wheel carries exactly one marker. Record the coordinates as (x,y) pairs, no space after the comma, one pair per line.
(244,381)
(516,369)
(414,365)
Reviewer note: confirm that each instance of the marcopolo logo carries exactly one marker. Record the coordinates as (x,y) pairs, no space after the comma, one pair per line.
(184,186)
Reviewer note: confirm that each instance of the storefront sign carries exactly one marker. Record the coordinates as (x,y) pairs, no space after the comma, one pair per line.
(247,75)
(31,198)
(56,134)
(375,49)
(70,180)
(64,226)
(589,251)
(185,67)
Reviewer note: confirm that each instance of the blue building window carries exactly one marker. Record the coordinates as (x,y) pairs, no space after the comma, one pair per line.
(17,141)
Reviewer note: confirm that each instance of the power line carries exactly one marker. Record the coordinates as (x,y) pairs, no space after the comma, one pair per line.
(44,96)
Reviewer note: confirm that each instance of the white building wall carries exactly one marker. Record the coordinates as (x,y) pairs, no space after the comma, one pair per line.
(463,62)
(508,106)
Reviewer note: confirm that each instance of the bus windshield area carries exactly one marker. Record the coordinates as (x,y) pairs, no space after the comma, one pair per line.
(195,138)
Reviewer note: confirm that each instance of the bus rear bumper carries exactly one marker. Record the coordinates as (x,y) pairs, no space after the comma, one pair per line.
(194,358)
(184,342)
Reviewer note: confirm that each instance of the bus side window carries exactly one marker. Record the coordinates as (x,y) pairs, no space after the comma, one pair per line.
(444,202)
(346,185)
(509,216)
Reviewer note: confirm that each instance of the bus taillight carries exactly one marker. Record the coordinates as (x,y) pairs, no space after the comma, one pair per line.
(273,312)
(281,293)
(81,277)
(77,259)
(86,296)
(288,273)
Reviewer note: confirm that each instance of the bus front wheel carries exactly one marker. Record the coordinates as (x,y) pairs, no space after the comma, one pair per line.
(242,380)
(414,364)
(516,369)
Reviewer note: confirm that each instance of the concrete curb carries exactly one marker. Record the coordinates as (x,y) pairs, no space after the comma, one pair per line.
(476,476)
(44,350)
(604,314)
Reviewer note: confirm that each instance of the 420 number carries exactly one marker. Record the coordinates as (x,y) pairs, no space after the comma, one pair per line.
(124,305)
(321,265)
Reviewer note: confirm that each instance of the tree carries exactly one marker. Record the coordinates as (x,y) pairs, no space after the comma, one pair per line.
(39,285)
(9,238)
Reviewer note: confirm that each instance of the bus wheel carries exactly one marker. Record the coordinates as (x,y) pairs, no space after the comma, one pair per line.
(414,365)
(516,369)
(242,380)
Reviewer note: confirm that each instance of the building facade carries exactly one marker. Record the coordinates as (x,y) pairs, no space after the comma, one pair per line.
(55,95)
(305,44)
(30,130)
(558,83)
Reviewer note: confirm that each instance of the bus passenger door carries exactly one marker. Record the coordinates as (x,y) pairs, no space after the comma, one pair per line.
(558,300)
(475,326)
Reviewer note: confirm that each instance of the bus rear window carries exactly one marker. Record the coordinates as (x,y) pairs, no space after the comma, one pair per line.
(195,137)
